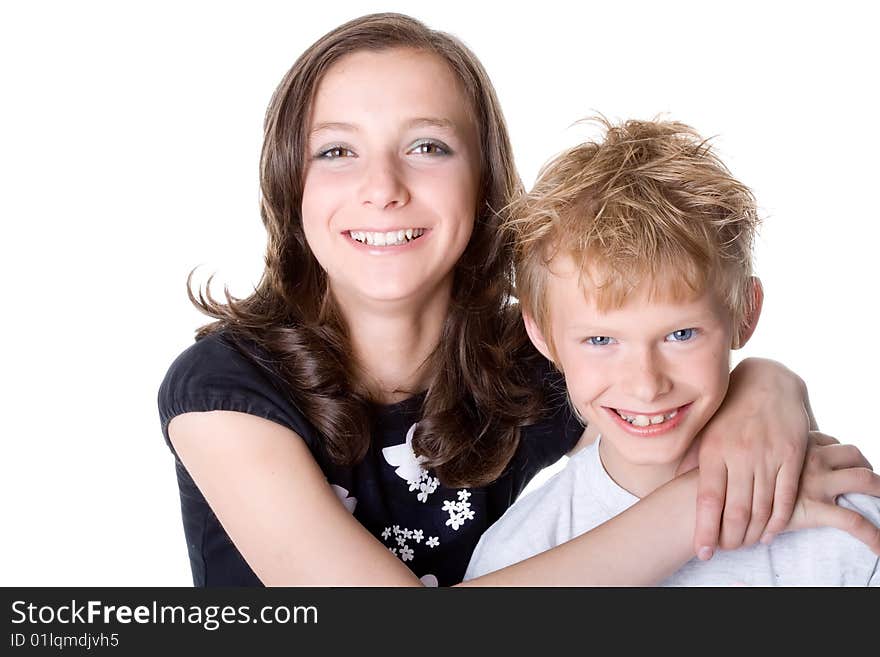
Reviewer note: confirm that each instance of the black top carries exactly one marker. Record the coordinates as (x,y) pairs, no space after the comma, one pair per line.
(431,528)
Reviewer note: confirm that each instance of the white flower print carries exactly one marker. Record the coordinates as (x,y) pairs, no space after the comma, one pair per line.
(459,511)
(386,533)
(393,551)
(455,520)
(347,501)
(401,540)
(407,533)
(408,465)
(418,535)
(427,486)
(406,553)
(432,542)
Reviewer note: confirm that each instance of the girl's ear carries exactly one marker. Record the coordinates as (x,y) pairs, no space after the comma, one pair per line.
(750,321)
(537,337)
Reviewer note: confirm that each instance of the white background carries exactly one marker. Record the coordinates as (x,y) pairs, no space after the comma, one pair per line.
(129,145)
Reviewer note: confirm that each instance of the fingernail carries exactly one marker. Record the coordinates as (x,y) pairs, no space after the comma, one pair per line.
(704,553)
(767,538)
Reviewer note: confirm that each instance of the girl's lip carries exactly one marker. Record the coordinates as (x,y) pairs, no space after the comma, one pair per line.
(652,429)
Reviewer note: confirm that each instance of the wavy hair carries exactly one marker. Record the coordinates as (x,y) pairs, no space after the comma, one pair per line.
(480,392)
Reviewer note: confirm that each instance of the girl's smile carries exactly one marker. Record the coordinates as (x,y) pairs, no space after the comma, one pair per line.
(391,186)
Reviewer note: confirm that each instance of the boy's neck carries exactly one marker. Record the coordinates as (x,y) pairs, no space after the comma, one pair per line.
(639,480)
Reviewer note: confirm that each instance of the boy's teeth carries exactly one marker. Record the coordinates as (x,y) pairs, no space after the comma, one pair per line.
(389,238)
(645,420)
(641,421)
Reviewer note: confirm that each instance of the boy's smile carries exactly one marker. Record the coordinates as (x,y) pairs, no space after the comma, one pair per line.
(648,375)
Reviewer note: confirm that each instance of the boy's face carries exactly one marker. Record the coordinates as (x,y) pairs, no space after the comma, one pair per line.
(648,375)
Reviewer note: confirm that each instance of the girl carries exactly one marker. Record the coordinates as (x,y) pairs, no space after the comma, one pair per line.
(374,405)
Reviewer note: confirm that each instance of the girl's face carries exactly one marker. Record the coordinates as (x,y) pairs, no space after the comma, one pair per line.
(392,176)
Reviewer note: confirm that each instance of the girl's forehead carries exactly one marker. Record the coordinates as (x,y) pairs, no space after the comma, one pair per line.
(403,80)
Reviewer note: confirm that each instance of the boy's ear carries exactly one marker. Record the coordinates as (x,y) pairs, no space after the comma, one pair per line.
(536,336)
(750,321)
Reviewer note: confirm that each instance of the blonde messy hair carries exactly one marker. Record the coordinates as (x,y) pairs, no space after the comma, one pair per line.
(650,203)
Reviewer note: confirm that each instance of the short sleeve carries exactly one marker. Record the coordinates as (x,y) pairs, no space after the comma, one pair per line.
(214,374)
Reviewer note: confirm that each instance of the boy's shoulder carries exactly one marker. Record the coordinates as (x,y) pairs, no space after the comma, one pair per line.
(542,518)
(866,505)
(541,505)
(528,527)
(828,556)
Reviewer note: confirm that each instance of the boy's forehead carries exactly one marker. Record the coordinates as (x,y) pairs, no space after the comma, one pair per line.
(574,291)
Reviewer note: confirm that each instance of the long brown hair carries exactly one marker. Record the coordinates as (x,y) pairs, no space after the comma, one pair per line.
(479,394)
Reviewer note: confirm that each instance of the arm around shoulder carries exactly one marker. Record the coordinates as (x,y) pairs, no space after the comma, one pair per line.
(640,547)
(274,502)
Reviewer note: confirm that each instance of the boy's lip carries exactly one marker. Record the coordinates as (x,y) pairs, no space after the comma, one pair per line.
(652,429)
(648,413)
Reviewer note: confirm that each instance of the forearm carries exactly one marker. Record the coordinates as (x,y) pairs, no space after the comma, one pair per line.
(640,547)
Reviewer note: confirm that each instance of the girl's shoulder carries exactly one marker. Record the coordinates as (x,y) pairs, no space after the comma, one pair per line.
(222,373)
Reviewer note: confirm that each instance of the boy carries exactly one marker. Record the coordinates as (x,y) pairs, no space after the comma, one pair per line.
(634,276)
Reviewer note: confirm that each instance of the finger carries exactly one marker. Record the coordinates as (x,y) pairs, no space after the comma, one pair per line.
(711,490)
(737,510)
(784,497)
(852,523)
(762,506)
(820,438)
(844,456)
(852,480)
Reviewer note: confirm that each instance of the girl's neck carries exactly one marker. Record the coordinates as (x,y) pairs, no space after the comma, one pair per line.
(391,342)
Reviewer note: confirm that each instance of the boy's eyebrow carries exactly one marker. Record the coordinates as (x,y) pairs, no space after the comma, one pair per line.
(685,321)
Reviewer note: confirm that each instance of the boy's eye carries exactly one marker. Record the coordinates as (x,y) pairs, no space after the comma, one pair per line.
(681,335)
(335,152)
(599,340)
(430,148)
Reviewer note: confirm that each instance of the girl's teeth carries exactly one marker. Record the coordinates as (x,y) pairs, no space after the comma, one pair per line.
(390,238)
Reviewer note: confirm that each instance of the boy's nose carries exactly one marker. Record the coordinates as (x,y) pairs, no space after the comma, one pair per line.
(383,186)
(645,379)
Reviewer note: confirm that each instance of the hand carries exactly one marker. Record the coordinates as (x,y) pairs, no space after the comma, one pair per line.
(750,457)
(830,470)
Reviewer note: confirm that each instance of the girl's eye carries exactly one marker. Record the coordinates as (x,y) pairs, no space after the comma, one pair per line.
(335,152)
(681,335)
(599,340)
(430,148)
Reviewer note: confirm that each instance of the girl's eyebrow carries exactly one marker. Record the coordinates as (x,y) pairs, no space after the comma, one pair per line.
(333,125)
(429,122)
(419,122)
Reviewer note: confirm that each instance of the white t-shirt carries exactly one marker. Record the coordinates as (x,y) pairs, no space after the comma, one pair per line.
(583,496)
